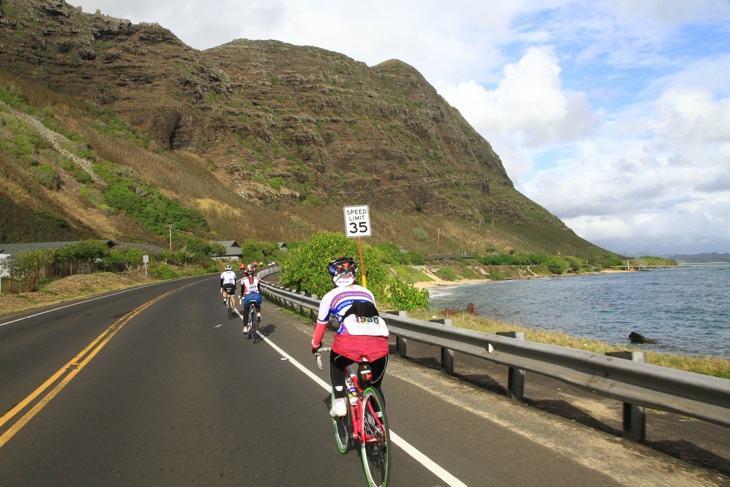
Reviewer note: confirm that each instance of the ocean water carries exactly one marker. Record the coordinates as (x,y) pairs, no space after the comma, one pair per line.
(686,310)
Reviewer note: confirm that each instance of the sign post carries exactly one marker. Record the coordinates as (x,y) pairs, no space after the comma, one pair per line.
(357,224)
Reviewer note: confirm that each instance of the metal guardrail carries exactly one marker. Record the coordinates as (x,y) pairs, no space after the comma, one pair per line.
(635,383)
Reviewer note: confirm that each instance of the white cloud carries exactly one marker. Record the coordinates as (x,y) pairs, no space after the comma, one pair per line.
(667,185)
(528,109)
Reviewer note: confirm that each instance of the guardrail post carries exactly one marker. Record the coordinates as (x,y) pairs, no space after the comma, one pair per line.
(447,354)
(515,377)
(634,416)
(301,308)
(313,313)
(401,344)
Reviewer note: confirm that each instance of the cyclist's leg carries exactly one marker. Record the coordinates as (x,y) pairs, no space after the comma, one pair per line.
(338,364)
(227,291)
(258,307)
(246,304)
(378,370)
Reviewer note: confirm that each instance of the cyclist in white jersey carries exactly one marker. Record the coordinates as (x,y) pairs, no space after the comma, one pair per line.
(228,285)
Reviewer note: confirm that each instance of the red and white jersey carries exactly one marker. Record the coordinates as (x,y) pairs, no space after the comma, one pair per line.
(250,284)
(356,338)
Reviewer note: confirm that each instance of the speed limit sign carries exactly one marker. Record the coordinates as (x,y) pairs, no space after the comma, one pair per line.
(357,221)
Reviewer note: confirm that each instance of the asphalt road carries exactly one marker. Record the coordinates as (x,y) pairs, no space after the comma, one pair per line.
(155,386)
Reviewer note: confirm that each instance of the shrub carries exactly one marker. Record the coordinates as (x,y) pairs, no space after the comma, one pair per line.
(404,296)
(162,271)
(420,234)
(305,268)
(446,274)
(391,254)
(126,192)
(253,250)
(414,258)
(556,265)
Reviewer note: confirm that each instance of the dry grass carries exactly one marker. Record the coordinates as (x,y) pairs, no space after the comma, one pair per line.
(69,289)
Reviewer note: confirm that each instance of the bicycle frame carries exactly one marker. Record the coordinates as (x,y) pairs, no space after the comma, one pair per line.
(367,422)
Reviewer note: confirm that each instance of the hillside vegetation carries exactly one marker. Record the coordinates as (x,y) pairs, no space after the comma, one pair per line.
(114,130)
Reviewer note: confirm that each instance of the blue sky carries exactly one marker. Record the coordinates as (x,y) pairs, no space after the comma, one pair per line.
(612,114)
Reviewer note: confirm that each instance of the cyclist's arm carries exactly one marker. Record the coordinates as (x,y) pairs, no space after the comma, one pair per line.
(319,330)
(323,318)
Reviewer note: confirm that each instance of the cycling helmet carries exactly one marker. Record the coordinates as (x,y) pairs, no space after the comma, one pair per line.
(250,272)
(243,266)
(342,270)
(228,268)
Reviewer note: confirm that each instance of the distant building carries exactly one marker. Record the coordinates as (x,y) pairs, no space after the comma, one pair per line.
(233,250)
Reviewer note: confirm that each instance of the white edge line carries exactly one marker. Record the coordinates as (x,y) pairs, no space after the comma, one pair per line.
(432,466)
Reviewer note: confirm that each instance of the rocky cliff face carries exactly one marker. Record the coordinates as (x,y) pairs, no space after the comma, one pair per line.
(279,126)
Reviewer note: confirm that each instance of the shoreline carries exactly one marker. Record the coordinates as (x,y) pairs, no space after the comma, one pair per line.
(436,282)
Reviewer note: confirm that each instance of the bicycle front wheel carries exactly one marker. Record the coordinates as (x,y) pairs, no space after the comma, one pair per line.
(375,443)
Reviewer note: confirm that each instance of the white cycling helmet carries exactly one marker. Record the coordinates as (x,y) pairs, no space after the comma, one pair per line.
(228,268)
(342,270)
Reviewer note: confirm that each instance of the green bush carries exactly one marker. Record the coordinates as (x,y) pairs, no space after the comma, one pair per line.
(446,274)
(256,251)
(305,268)
(53,218)
(391,254)
(556,265)
(414,258)
(45,175)
(126,192)
(404,296)
(162,271)
(420,234)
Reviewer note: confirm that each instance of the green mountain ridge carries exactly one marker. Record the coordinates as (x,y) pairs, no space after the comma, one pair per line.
(260,139)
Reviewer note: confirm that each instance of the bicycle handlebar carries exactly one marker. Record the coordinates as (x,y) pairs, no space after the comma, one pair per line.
(319,356)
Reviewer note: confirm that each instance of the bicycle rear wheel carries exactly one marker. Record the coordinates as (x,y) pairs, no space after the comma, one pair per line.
(251,321)
(342,426)
(255,326)
(230,308)
(375,444)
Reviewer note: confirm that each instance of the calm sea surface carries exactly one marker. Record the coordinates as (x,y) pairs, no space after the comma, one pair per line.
(686,310)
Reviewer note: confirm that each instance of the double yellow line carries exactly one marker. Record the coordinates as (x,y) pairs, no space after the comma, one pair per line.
(63,376)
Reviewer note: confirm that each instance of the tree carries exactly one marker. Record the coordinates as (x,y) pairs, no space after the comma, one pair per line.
(305,269)
(306,266)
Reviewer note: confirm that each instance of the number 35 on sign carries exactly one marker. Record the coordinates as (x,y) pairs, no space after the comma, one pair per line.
(357,221)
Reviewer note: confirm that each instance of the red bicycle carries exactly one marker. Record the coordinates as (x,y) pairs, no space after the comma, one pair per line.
(365,422)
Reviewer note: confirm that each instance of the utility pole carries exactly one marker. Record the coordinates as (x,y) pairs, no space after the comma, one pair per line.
(169,227)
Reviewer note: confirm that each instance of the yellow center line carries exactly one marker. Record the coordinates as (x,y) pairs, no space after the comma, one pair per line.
(70,369)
